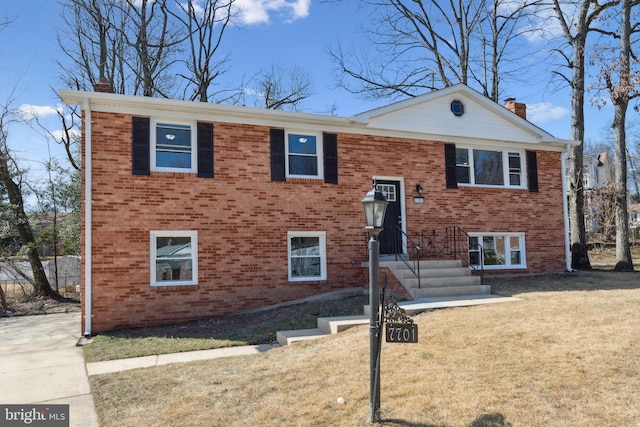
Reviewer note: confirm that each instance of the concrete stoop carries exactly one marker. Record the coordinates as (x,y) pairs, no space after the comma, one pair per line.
(326,326)
(438,278)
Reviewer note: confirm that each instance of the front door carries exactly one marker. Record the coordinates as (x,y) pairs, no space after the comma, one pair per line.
(391,237)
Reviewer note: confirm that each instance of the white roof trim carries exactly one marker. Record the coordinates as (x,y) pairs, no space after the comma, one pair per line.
(358,124)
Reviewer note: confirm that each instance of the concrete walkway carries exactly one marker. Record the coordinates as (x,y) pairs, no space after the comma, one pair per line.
(110,366)
(40,364)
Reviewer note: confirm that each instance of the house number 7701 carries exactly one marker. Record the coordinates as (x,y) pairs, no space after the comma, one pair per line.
(402,332)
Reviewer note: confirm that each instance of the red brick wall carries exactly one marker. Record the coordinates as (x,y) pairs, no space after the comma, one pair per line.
(242,219)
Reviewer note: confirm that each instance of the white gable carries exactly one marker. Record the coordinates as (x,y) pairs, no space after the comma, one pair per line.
(431,114)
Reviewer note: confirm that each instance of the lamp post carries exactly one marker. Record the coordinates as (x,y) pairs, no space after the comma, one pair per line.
(375,206)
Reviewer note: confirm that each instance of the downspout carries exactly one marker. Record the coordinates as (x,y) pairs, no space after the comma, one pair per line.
(565,209)
(87,218)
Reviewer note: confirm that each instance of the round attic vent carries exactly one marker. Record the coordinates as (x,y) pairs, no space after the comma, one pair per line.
(457,108)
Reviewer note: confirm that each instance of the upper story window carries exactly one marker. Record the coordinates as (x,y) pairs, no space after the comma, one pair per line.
(304,152)
(173,147)
(166,146)
(488,167)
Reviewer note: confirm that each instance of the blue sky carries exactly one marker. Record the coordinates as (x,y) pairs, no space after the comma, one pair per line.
(284,32)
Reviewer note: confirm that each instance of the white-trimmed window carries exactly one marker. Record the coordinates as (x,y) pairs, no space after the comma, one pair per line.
(304,154)
(174,258)
(307,255)
(173,146)
(499,250)
(490,168)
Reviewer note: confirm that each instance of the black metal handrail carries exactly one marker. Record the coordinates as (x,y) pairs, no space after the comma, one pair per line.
(410,253)
(452,242)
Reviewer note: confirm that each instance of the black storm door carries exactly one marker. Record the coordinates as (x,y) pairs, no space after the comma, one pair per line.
(391,236)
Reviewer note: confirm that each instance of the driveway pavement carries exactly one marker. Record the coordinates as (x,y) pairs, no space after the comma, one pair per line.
(40,364)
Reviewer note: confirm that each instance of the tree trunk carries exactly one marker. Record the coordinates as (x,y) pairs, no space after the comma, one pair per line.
(579,255)
(623,247)
(620,97)
(3,300)
(40,282)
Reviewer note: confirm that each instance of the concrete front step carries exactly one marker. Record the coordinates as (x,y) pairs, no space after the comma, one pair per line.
(449,291)
(425,264)
(326,326)
(289,337)
(427,282)
(334,325)
(402,273)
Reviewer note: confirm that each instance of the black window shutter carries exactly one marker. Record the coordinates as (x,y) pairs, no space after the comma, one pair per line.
(532,171)
(450,165)
(205,150)
(277,155)
(140,146)
(330,152)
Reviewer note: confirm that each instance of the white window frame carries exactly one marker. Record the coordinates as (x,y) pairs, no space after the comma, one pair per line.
(506,178)
(319,153)
(322,241)
(194,145)
(507,248)
(154,234)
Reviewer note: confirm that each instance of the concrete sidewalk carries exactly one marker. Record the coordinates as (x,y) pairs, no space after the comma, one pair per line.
(42,365)
(110,366)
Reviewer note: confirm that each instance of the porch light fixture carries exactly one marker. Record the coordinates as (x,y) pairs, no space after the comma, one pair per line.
(375,206)
(419,189)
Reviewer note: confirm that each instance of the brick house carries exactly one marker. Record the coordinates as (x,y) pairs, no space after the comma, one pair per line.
(201,209)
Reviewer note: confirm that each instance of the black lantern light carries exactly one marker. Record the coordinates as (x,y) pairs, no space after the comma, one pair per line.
(375,206)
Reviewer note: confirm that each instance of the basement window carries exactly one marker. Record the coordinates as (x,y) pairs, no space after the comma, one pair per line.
(499,251)
(174,258)
(307,256)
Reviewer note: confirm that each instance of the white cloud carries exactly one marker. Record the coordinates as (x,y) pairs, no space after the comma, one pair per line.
(544,27)
(259,11)
(59,134)
(541,112)
(29,111)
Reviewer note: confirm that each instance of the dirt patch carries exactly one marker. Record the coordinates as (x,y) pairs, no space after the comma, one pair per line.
(29,306)
(576,281)
(265,323)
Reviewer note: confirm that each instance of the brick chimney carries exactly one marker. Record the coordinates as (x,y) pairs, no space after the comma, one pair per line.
(103,85)
(516,107)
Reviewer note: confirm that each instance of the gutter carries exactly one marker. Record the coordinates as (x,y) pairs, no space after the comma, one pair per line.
(565,208)
(87,219)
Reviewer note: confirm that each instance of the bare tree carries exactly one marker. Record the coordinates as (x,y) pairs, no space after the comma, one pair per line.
(622,80)
(89,41)
(281,90)
(131,43)
(577,19)
(429,44)
(14,208)
(500,34)
(205,24)
(149,32)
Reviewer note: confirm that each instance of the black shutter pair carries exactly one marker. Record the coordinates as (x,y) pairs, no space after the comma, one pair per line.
(450,168)
(329,150)
(141,147)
